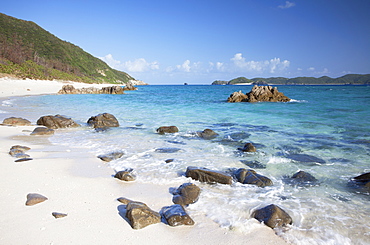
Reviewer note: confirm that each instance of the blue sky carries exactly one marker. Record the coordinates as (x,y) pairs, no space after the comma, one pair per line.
(199,41)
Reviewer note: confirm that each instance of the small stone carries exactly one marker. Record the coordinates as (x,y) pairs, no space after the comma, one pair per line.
(248,147)
(176,215)
(24,159)
(34,198)
(58,215)
(125,175)
(167,129)
(42,131)
(111,156)
(272,216)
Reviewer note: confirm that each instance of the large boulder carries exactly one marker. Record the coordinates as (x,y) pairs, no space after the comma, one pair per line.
(56,121)
(103,120)
(42,131)
(129,86)
(251,177)
(167,129)
(176,215)
(16,121)
(237,97)
(208,176)
(112,90)
(273,216)
(259,94)
(140,215)
(186,194)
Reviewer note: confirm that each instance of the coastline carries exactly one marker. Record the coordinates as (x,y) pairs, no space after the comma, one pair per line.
(79,184)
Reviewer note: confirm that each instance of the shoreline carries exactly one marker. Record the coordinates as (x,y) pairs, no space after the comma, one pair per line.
(81,185)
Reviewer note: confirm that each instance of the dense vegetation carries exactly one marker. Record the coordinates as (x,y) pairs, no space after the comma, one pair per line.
(28,51)
(350,79)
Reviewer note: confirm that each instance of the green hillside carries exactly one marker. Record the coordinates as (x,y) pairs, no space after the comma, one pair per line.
(28,51)
(350,79)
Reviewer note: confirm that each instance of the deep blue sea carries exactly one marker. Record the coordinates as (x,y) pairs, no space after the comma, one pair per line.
(330,123)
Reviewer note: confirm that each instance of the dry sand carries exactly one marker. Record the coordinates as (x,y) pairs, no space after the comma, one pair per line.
(81,185)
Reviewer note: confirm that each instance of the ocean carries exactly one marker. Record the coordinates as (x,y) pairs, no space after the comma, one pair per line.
(329,124)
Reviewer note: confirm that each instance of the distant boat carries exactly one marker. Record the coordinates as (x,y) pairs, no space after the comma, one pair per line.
(185,83)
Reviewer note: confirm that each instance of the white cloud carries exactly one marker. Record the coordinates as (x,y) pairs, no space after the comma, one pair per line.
(185,66)
(271,66)
(287,5)
(138,65)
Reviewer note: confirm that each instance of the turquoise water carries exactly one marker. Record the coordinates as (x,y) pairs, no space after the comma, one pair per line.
(327,122)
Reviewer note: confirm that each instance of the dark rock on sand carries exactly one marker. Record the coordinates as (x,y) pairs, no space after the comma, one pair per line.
(167,150)
(140,215)
(248,147)
(103,120)
(167,129)
(175,215)
(57,121)
(125,175)
(305,158)
(251,177)
(259,94)
(18,151)
(111,156)
(302,178)
(42,131)
(186,194)
(16,121)
(253,164)
(23,159)
(273,216)
(34,198)
(58,215)
(169,160)
(207,134)
(208,176)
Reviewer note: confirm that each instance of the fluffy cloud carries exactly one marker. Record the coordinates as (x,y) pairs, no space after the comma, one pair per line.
(271,66)
(287,5)
(138,65)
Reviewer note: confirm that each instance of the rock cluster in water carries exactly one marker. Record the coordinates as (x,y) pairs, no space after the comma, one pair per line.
(259,94)
(70,89)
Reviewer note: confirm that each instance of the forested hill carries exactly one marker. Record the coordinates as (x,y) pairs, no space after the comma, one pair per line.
(350,79)
(28,51)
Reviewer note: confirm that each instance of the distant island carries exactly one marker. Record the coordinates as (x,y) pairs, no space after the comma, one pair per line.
(29,51)
(350,79)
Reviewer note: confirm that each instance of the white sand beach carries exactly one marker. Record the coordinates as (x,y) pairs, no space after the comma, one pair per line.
(81,185)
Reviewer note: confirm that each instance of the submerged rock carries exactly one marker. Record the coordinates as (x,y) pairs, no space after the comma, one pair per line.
(125,175)
(103,120)
(305,158)
(111,156)
(251,177)
(361,183)
(302,178)
(140,215)
(253,164)
(207,134)
(186,194)
(42,131)
(167,150)
(16,121)
(34,198)
(208,176)
(18,151)
(167,129)
(56,121)
(175,215)
(272,216)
